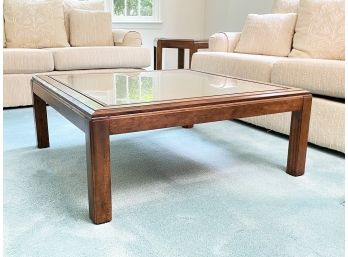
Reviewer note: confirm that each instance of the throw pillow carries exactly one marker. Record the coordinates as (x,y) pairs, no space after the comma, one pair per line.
(90,28)
(34,23)
(269,34)
(285,6)
(319,31)
(69,5)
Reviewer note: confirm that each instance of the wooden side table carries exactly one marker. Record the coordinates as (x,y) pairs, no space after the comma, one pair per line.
(181,45)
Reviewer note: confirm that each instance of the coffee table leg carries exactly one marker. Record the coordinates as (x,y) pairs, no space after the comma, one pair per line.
(98,171)
(40,115)
(299,139)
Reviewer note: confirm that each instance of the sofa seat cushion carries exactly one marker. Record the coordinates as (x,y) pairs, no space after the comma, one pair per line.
(321,77)
(326,126)
(247,66)
(105,57)
(27,61)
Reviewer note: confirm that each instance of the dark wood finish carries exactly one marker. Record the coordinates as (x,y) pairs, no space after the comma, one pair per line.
(100,122)
(298,139)
(98,171)
(181,45)
(181,58)
(40,114)
(201,114)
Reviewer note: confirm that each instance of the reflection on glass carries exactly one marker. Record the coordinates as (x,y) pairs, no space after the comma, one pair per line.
(221,82)
(133,89)
(156,86)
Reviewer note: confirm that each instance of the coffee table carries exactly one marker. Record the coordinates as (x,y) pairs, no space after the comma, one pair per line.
(113,103)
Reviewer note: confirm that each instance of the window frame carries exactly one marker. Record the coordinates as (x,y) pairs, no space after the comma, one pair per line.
(155,18)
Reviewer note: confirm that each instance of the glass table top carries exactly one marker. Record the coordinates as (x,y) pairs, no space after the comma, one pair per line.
(134,88)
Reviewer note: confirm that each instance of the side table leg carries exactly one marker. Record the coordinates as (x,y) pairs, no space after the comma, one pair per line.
(98,171)
(181,58)
(40,115)
(158,57)
(154,57)
(298,139)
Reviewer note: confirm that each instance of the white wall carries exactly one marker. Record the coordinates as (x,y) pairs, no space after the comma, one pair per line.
(229,15)
(196,19)
(181,19)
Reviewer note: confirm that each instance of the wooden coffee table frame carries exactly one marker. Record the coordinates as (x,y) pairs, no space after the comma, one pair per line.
(99,122)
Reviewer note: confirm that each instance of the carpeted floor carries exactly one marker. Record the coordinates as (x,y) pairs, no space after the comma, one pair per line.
(216,190)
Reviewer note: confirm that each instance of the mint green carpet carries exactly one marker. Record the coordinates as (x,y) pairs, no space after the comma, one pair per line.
(216,190)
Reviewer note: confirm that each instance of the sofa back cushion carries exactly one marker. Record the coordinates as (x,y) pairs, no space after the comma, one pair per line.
(269,34)
(4,38)
(90,28)
(285,6)
(34,24)
(319,31)
(69,5)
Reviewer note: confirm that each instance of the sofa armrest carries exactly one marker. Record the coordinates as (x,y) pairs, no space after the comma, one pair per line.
(123,37)
(224,41)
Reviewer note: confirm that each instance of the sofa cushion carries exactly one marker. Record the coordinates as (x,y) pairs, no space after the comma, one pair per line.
(123,37)
(4,39)
(34,24)
(253,67)
(69,5)
(326,126)
(23,60)
(319,31)
(268,34)
(106,57)
(90,28)
(285,6)
(322,77)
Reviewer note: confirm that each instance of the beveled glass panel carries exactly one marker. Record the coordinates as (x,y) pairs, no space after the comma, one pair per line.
(146,87)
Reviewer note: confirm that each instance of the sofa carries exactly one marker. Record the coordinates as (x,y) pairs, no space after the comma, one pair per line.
(322,76)
(122,51)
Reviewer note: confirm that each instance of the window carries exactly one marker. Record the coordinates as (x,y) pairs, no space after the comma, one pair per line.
(135,10)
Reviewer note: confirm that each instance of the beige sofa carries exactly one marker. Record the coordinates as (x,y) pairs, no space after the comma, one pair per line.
(322,77)
(21,63)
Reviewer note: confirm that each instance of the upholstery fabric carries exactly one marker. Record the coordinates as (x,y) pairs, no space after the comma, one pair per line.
(90,28)
(17,87)
(285,6)
(69,5)
(320,30)
(224,41)
(75,58)
(124,37)
(322,77)
(4,38)
(23,60)
(34,24)
(17,90)
(254,67)
(326,125)
(269,34)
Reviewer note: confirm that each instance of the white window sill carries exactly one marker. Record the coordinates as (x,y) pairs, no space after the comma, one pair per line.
(137,24)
